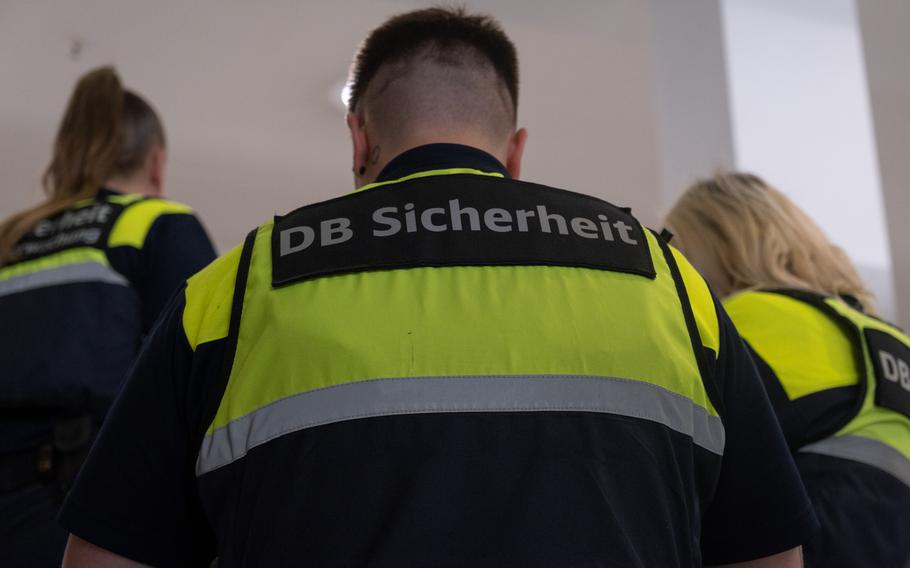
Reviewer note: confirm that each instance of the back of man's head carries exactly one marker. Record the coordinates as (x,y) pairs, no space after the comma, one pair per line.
(436,72)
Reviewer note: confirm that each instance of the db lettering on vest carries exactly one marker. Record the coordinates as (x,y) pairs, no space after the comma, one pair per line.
(387,222)
(457,220)
(895,370)
(88,226)
(331,232)
(891,362)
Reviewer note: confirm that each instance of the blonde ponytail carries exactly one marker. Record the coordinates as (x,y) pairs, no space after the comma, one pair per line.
(105,131)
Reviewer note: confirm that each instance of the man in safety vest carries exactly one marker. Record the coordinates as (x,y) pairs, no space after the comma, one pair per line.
(448,367)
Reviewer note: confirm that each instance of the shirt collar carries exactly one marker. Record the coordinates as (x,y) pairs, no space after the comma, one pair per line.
(105,192)
(440,157)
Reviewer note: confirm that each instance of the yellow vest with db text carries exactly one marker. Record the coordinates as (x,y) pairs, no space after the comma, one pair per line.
(453,291)
(814,343)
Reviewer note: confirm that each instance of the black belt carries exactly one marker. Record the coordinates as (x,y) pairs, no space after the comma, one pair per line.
(54,462)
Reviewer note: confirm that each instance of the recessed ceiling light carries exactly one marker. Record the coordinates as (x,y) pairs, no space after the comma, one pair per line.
(346,94)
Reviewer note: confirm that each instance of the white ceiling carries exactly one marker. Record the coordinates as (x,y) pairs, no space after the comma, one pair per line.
(247,93)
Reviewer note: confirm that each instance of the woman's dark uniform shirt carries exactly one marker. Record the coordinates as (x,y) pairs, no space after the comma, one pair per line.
(67,346)
(811,369)
(482,489)
(73,312)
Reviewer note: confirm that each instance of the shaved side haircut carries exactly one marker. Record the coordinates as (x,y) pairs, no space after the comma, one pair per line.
(438,68)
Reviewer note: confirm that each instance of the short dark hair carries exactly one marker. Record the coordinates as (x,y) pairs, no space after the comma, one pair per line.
(448,31)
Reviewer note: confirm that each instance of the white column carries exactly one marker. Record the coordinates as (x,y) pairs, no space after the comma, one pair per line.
(801,118)
(887,49)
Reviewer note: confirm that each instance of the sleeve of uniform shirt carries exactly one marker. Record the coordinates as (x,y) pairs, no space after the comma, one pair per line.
(760,506)
(176,247)
(136,495)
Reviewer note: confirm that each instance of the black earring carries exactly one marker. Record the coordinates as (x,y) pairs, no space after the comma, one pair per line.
(363,170)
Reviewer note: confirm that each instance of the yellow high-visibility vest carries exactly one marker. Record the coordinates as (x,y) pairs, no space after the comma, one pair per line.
(71,247)
(814,343)
(454,291)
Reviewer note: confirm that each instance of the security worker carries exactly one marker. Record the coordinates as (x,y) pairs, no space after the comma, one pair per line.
(82,278)
(839,378)
(448,367)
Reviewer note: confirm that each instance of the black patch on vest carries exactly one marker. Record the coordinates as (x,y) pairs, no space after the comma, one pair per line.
(88,226)
(891,361)
(456,220)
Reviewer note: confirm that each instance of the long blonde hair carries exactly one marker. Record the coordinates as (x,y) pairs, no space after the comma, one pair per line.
(106,131)
(761,239)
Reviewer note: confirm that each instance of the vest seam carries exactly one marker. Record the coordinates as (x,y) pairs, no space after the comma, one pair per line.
(233,333)
(707,379)
(459,263)
(318,423)
(568,376)
(696,413)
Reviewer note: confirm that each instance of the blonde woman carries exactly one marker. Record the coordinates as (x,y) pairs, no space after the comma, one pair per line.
(838,377)
(83,276)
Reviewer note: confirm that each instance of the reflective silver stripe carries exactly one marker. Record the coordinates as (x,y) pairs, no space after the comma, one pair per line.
(864,450)
(497,393)
(66,274)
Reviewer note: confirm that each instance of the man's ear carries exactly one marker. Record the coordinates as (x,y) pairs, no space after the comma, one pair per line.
(515,152)
(360,145)
(157,160)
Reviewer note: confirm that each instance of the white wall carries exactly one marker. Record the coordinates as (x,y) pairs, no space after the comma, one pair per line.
(801,119)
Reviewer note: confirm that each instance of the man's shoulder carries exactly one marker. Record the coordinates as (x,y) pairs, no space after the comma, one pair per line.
(704,307)
(209,295)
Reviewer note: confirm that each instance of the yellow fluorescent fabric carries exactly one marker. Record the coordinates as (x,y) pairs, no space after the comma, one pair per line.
(125,199)
(134,223)
(807,350)
(810,352)
(56,260)
(456,321)
(877,423)
(429,173)
(702,303)
(209,295)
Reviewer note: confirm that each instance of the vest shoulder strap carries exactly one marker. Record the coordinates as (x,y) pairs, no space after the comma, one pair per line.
(705,369)
(219,386)
(137,217)
(863,340)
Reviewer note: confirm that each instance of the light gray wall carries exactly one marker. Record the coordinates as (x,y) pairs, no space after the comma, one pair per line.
(887,50)
(694,132)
